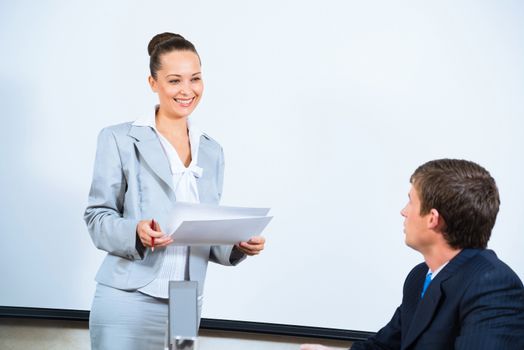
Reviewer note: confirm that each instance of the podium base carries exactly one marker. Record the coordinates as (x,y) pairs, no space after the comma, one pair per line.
(183,344)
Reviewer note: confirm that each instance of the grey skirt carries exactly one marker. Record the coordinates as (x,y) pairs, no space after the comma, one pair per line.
(127,320)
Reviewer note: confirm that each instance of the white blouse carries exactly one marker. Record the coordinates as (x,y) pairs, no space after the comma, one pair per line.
(175,264)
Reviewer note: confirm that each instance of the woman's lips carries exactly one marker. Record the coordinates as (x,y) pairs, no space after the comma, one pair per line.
(185,102)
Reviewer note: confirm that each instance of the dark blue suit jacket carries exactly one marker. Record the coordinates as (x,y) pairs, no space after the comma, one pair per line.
(475,302)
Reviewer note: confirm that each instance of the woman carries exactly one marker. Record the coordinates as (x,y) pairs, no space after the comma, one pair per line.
(141,169)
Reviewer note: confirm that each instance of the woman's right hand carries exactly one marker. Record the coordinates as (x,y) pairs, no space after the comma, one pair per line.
(146,233)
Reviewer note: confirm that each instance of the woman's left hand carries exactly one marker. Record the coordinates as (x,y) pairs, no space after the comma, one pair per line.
(252,247)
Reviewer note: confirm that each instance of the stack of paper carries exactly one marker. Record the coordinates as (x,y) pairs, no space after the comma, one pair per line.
(205,224)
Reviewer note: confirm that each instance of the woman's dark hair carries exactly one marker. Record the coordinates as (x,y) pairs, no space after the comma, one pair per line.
(464,194)
(165,43)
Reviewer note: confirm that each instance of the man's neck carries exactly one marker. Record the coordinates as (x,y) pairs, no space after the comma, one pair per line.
(438,256)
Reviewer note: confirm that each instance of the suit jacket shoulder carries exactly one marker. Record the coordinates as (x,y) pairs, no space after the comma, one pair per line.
(117,130)
(475,302)
(210,144)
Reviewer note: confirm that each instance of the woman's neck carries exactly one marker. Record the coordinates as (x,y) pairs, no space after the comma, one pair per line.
(169,125)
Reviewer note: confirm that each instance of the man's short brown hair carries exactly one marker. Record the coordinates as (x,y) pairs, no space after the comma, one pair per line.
(464,194)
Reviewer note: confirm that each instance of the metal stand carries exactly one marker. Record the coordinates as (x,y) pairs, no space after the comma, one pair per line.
(184,344)
(183,315)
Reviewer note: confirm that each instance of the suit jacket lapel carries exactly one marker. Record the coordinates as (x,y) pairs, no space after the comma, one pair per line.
(429,304)
(424,312)
(151,151)
(206,158)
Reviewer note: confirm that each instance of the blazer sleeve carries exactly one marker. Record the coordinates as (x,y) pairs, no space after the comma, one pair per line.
(387,338)
(390,336)
(493,312)
(106,224)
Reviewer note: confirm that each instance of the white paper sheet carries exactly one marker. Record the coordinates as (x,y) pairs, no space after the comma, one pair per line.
(206,224)
(196,211)
(212,232)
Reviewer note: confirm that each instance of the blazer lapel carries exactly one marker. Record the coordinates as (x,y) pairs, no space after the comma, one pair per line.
(424,312)
(151,151)
(206,159)
(429,304)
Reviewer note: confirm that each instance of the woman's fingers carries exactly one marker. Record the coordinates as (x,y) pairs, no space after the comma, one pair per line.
(146,234)
(252,247)
(161,239)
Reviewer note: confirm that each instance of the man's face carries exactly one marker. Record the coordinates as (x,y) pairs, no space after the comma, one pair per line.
(416,226)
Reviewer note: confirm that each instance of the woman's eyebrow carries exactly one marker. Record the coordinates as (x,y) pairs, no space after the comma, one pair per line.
(179,75)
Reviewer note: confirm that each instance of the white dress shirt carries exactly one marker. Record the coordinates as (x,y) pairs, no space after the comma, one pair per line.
(174,267)
(434,274)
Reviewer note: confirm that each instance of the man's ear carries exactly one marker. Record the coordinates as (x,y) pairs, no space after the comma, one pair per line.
(153,83)
(434,220)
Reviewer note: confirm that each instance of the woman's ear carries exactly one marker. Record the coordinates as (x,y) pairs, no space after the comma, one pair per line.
(153,83)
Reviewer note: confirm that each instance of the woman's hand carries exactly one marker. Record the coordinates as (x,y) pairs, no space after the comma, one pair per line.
(146,233)
(252,247)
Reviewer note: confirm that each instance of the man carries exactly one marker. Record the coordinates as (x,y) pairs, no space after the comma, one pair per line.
(463,296)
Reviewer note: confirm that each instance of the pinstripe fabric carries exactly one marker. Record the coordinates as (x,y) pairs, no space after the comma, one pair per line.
(476,302)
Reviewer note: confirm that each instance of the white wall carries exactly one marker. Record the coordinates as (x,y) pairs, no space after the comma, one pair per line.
(324,110)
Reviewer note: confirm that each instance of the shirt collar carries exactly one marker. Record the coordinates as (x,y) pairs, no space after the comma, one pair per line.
(146,121)
(194,132)
(437,270)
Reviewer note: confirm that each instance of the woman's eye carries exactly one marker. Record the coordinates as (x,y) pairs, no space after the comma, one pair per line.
(174,81)
(196,79)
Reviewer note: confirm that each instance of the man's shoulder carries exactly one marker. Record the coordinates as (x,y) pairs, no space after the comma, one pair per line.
(418,269)
(416,274)
(484,260)
(480,271)
(486,266)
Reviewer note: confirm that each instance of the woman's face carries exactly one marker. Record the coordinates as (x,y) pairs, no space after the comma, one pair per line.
(178,83)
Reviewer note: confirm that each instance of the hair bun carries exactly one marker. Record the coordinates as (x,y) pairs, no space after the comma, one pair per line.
(160,38)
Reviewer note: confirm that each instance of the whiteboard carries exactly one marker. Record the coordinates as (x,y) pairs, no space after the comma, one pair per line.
(324,110)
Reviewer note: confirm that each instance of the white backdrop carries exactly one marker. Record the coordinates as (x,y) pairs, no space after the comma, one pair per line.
(324,109)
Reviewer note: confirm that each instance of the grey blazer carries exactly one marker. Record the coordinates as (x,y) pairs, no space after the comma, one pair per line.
(132,182)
